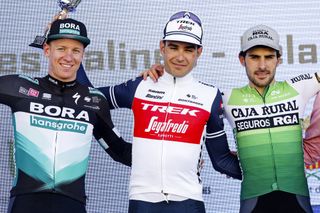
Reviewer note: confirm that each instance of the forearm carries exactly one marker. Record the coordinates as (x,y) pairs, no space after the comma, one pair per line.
(110,140)
(221,157)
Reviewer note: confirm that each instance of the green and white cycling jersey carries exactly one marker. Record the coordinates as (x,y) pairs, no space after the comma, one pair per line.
(268,134)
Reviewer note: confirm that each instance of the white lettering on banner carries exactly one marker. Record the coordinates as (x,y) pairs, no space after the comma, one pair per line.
(58,111)
(169,109)
(116,56)
(168,126)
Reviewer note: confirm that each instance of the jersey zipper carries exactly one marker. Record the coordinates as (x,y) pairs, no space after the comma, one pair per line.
(163,155)
(274,185)
(55,148)
(54,162)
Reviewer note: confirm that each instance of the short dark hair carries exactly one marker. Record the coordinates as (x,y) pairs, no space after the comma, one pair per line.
(243,53)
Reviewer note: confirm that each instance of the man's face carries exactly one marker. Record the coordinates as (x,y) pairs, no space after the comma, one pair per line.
(65,56)
(179,57)
(260,64)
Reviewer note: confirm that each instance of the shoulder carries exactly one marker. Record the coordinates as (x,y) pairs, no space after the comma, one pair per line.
(202,86)
(95,92)
(134,81)
(206,85)
(18,78)
(235,93)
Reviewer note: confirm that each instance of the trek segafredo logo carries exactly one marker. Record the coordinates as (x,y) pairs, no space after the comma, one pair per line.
(168,121)
(58,124)
(169,125)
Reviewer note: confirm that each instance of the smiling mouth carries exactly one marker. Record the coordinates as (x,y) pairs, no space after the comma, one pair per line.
(66,65)
(179,65)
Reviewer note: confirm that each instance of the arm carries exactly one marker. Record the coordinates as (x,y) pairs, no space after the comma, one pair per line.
(82,77)
(11,87)
(312,137)
(111,141)
(217,145)
(118,96)
(308,85)
(109,138)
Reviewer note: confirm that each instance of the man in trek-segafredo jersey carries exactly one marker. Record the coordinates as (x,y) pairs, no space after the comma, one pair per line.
(265,116)
(54,119)
(170,118)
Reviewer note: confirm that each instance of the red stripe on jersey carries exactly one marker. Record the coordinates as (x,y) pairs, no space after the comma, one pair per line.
(168,121)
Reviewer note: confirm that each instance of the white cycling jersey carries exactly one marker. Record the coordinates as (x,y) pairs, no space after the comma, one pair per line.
(170,117)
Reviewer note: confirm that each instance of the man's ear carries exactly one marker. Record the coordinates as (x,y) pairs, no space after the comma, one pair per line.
(162,45)
(46,49)
(199,51)
(279,61)
(242,60)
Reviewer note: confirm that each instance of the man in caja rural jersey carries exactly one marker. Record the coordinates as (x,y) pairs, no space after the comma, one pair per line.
(265,116)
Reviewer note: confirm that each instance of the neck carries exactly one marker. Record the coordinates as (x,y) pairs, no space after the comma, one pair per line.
(59,82)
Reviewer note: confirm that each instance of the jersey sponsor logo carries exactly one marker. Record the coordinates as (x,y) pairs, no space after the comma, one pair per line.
(156,91)
(32,92)
(23,90)
(264,110)
(190,99)
(156,107)
(58,124)
(46,96)
(194,97)
(154,96)
(157,95)
(267,122)
(168,121)
(169,126)
(76,97)
(301,78)
(94,107)
(57,111)
(96,99)
(87,99)
(204,83)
